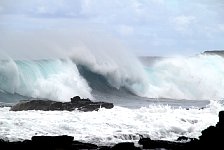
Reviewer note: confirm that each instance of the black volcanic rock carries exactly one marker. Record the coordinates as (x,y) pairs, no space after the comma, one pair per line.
(220,124)
(81,145)
(53,140)
(77,99)
(48,143)
(214,52)
(213,136)
(183,138)
(76,103)
(147,143)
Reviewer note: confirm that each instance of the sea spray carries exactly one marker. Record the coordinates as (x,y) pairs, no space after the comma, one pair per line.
(198,77)
(113,61)
(100,52)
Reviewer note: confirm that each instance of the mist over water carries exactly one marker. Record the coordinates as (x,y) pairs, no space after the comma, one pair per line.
(115,63)
(101,54)
(44,65)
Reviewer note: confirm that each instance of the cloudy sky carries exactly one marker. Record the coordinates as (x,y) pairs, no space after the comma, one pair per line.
(145,27)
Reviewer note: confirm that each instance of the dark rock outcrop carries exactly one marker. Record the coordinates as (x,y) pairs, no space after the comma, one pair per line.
(48,143)
(147,143)
(214,52)
(60,143)
(213,136)
(52,140)
(76,103)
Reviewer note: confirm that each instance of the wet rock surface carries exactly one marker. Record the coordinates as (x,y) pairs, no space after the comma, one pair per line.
(48,105)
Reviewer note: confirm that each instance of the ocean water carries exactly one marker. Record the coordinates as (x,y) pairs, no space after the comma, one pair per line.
(160,98)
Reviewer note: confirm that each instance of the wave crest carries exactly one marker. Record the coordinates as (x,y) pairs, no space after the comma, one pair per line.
(52,79)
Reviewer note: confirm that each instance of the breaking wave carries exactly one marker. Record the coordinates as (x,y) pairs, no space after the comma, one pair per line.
(51,79)
(196,78)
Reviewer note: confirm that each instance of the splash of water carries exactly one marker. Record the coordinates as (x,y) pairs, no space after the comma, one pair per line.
(199,77)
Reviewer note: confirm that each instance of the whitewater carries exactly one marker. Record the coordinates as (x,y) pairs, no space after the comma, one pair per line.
(160,98)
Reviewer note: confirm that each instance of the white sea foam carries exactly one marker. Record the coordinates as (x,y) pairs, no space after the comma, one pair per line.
(109,126)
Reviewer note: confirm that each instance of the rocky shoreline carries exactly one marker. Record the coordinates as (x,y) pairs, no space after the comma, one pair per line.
(211,138)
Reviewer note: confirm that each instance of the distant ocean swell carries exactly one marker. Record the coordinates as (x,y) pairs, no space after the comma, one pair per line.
(199,77)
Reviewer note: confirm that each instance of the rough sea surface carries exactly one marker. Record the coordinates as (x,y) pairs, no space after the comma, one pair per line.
(160,98)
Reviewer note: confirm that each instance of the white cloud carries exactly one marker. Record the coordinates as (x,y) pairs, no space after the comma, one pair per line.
(125,30)
(137,6)
(183,23)
(221,27)
(42,10)
(1,9)
(161,2)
